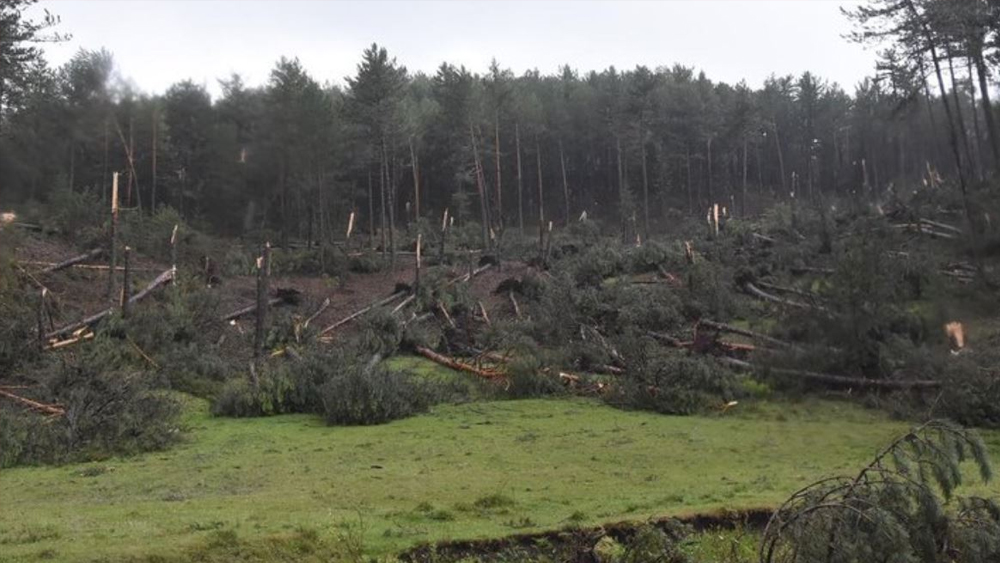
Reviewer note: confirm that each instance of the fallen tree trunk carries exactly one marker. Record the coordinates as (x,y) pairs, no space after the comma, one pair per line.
(811,270)
(358,313)
(314,316)
(944,226)
(72,261)
(839,380)
(783,289)
(98,267)
(457,365)
(250,309)
(722,327)
(54,410)
(758,292)
(162,279)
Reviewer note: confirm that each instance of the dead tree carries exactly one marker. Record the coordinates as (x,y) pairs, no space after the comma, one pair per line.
(263,272)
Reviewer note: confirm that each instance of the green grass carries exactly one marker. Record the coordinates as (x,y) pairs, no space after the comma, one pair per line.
(461,471)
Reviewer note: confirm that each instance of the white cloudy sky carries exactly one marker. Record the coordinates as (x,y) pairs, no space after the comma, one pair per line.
(159,42)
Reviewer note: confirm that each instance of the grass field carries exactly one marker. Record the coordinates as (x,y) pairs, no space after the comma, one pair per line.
(461,471)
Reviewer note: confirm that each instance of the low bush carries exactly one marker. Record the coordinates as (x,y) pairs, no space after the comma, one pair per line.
(372,394)
(664,382)
(107,412)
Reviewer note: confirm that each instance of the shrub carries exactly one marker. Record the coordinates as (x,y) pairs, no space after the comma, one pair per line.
(670,384)
(366,395)
(108,412)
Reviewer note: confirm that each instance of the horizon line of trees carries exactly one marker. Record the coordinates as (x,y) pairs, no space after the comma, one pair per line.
(506,151)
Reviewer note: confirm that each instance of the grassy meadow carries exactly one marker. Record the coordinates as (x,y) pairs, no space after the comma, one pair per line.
(481,469)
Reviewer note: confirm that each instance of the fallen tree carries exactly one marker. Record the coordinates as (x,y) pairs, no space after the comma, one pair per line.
(358,313)
(838,380)
(160,280)
(54,410)
(760,293)
(72,261)
(722,327)
(457,365)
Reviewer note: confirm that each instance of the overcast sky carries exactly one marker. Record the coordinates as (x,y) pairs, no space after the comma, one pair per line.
(159,42)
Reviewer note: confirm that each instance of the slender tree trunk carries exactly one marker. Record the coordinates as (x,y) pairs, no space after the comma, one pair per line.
(711,192)
(72,165)
(687,164)
(416,180)
(959,114)
(621,191)
(562,165)
(263,272)
(541,201)
(520,184)
(481,188)
(152,207)
(976,129)
(496,153)
(131,168)
(113,236)
(743,210)
(371,211)
(104,167)
(381,189)
(645,182)
(390,177)
(984,94)
(781,159)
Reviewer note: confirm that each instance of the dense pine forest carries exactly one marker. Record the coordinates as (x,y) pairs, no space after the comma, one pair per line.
(296,157)
(622,315)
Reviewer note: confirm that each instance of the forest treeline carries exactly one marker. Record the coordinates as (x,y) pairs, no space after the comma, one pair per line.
(296,157)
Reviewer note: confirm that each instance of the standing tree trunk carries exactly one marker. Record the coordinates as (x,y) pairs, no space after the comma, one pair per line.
(125,282)
(113,250)
(977,131)
(959,114)
(520,183)
(984,93)
(541,200)
(152,205)
(565,182)
(381,190)
(483,206)
(743,203)
(781,159)
(496,153)
(263,271)
(390,177)
(371,212)
(416,180)
(687,165)
(104,166)
(645,183)
(711,192)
